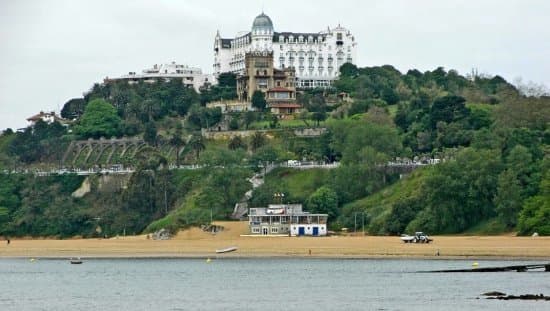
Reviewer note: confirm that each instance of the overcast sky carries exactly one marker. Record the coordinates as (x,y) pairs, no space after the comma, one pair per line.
(51,51)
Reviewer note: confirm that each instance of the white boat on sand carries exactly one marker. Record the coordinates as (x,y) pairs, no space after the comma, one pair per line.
(227,249)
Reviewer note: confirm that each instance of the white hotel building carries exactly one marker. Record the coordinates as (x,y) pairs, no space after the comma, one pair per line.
(189,76)
(316,57)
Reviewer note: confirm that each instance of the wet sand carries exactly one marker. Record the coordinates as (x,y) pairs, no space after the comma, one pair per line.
(196,243)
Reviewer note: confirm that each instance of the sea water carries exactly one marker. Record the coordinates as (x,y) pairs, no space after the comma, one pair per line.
(262,284)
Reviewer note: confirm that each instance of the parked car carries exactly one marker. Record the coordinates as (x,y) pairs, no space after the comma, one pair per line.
(418,237)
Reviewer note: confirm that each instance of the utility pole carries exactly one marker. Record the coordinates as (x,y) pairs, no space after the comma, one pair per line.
(165,200)
(355,222)
(363,223)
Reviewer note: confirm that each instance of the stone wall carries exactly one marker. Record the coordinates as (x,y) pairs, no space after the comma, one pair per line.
(310,132)
(302,132)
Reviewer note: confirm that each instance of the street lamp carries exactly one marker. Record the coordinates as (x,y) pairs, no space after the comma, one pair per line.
(279,197)
(362,221)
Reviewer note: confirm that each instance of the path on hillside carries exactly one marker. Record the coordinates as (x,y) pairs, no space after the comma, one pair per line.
(241,208)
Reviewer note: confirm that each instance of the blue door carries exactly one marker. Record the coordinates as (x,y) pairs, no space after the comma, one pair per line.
(301,231)
(315,230)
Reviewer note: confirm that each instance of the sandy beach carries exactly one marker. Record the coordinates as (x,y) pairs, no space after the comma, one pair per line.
(197,243)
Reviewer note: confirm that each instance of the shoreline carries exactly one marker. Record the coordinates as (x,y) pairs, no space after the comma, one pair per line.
(197,244)
(277,257)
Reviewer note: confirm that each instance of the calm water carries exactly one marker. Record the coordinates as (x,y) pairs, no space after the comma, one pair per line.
(260,284)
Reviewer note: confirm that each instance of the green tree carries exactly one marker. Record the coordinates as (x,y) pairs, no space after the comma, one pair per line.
(99,119)
(459,194)
(234,124)
(202,117)
(520,162)
(508,198)
(324,201)
(535,215)
(227,79)
(273,121)
(40,142)
(264,156)
(448,109)
(236,142)
(177,142)
(197,144)
(249,117)
(348,70)
(150,134)
(258,100)
(73,108)
(257,140)
(319,116)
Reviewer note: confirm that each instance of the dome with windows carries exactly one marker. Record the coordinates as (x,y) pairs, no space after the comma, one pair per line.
(262,23)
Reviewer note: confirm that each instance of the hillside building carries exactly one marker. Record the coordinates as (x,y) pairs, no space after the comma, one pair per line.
(278,85)
(48,117)
(190,76)
(316,57)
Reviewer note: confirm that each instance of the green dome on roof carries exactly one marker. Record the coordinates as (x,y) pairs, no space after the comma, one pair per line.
(262,22)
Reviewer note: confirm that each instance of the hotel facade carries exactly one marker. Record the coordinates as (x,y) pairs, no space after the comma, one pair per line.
(315,57)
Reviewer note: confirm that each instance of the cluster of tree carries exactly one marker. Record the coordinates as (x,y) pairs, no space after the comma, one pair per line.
(390,85)
(41,142)
(226,89)
(501,175)
(134,104)
(314,102)
(495,142)
(40,206)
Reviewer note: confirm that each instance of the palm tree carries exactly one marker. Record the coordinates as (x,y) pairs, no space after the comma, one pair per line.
(236,143)
(197,144)
(177,141)
(257,140)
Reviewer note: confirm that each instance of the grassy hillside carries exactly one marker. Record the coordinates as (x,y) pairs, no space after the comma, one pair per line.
(297,185)
(382,206)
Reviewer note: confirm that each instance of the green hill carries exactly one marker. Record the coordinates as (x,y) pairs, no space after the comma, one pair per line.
(493,141)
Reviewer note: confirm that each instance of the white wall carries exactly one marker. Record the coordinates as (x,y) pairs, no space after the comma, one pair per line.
(308,229)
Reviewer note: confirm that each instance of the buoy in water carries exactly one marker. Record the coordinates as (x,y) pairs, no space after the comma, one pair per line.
(475,264)
(208,260)
(32,260)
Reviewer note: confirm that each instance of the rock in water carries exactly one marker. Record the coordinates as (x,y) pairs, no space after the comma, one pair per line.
(494,293)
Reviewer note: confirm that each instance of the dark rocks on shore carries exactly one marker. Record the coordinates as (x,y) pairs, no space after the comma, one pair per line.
(503,296)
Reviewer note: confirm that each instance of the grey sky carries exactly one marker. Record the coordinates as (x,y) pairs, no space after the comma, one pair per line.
(51,51)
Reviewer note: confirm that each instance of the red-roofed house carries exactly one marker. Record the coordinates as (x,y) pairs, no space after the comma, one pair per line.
(48,117)
(278,85)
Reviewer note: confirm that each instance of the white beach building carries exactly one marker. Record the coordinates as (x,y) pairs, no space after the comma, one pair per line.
(286,219)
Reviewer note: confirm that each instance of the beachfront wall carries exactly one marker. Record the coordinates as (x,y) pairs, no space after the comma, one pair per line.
(286,219)
(308,229)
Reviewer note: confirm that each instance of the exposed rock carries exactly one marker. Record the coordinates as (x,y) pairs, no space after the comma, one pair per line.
(162,234)
(84,189)
(212,228)
(494,293)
